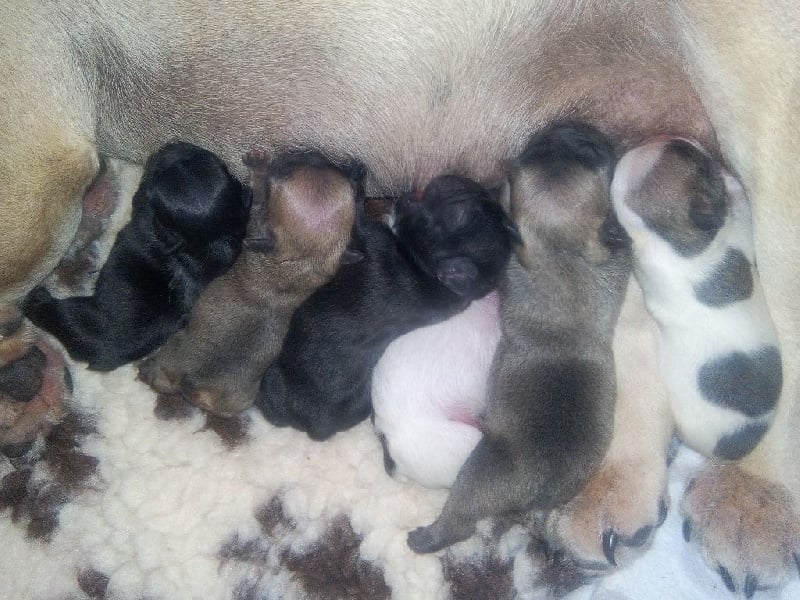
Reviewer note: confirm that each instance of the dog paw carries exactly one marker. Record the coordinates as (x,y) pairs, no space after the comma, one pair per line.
(612,520)
(205,399)
(151,373)
(34,381)
(747,528)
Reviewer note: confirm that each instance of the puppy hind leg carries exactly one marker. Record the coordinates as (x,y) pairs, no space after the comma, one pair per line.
(480,491)
(44,170)
(81,327)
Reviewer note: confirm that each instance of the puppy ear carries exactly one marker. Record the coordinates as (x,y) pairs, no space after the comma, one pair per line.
(351,256)
(613,234)
(459,275)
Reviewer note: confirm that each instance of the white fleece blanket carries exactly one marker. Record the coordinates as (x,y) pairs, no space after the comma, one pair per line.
(129,500)
(176,510)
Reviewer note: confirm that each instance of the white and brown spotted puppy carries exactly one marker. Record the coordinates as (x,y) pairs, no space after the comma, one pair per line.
(692,234)
(429,391)
(552,389)
(301,217)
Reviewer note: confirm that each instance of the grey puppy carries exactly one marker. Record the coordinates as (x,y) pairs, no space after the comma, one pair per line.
(301,218)
(549,417)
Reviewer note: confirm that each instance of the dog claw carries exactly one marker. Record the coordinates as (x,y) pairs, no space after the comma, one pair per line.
(662,513)
(639,538)
(750,585)
(726,579)
(687,529)
(610,546)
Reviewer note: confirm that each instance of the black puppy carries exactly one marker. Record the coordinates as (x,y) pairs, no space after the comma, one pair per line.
(449,249)
(187,224)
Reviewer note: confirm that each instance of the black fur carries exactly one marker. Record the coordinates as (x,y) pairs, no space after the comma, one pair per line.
(449,249)
(746,382)
(458,234)
(566,144)
(730,282)
(187,224)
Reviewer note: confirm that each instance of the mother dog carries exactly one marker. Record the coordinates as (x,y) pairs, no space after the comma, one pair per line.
(415,90)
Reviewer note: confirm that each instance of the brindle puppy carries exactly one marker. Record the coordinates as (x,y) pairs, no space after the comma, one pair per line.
(550,410)
(238,324)
(450,248)
(187,224)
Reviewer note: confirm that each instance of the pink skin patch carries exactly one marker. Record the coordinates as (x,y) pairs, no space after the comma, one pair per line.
(463,416)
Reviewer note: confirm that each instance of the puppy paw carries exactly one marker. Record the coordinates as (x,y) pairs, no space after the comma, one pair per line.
(220,403)
(422,541)
(612,520)
(151,373)
(747,528)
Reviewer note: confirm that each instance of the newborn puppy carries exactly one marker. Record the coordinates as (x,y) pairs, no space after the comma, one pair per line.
(187,223)
(449,248)
(552,388)
(692,237)
(302,214)
(429,391)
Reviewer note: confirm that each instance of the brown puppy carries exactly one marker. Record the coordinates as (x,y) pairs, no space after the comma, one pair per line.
(552,389)
(300,221)
(461,92)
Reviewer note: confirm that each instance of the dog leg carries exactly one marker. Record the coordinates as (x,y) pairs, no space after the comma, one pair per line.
(486,473)
(46,164)
(46,159)
(611,521)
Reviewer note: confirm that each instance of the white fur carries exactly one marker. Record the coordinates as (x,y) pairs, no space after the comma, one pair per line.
(427,384)
(693,333)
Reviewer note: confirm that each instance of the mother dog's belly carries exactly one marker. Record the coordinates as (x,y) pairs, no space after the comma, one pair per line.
(443,87)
